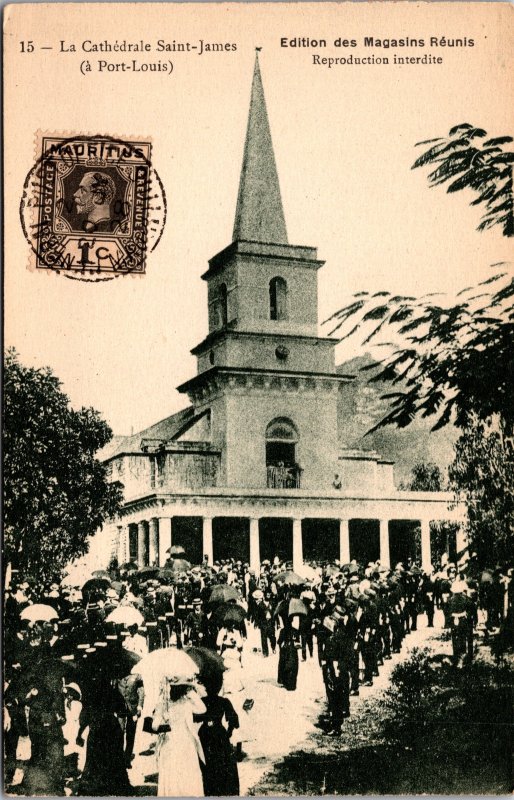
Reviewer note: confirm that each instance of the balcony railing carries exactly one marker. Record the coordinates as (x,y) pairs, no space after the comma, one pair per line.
(283,476)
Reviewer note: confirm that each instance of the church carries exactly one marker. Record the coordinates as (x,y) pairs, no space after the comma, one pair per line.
(253,467)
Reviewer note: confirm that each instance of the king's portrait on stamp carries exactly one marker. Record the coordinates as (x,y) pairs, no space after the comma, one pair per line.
(94,198)
(92,206)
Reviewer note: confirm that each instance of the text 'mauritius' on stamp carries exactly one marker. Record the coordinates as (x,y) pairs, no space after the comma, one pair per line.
(93,207)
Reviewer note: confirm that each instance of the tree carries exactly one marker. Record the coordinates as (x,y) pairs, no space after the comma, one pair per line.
(56,493)
(482,474)
(426,478)
(453,361)
(465,162)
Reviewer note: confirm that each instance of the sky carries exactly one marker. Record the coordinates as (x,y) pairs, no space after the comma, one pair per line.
(344,145)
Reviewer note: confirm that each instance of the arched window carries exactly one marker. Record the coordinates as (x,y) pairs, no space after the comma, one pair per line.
(281,439)
(223,304)
(278,298)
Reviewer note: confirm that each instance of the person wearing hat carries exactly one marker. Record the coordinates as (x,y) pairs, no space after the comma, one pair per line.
(337,659)
(308,597)
(288,659)
(264,621)
(194,628)
(428,592)
(132,691)
(412,597)
(368,625)
(460,611)
(324,608)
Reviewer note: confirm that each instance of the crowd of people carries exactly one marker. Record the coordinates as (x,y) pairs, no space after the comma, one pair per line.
(162,649)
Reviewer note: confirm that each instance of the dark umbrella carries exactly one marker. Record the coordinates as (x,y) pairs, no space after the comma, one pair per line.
(96,585)
(113,662)
(147,572)
(229,614)
(222,593)
(289,578)
(209,663)
(48,673)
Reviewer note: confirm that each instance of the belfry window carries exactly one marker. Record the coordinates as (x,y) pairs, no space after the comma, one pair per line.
(223,304)
(282,470)
(278,298)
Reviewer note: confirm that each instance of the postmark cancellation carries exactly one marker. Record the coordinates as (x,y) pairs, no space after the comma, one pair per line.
(92,206)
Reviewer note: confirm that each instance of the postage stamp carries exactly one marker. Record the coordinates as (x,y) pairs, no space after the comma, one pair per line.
(93,207)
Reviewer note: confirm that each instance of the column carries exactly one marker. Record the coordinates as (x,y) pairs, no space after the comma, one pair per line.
(122,537)
(141,544)
(255,549)
(461,541)
(426,552)
(344,541)
(207,540)
(153,558)
(165,533)
(385,558)
(297,544)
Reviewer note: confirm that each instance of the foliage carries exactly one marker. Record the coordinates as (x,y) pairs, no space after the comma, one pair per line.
(482,474)
(463,160)
(427,692)
(455,361)
(426,477)
(56,494)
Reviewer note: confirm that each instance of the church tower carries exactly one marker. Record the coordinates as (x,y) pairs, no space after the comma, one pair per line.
(266,382)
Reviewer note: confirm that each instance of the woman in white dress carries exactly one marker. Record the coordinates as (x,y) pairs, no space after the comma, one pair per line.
(230,644)
(178,747)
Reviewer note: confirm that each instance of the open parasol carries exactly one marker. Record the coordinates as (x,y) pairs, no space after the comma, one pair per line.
(222,593)
(297,606)
(229,614)
(308,572)
(176,550)
(288,578)
(209,663)
(96,585)
(39,612)
(179,565)
(101,573)
(126,615)
(146,572)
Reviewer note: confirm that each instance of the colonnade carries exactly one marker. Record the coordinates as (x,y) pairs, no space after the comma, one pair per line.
(155,536)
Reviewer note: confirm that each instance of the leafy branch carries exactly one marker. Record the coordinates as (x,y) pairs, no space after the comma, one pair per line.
(455,360)
(464,161)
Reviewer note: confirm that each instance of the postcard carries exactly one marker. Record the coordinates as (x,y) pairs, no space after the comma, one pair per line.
(258,415)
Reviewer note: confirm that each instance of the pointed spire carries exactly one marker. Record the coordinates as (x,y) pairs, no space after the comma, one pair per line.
(259,212)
